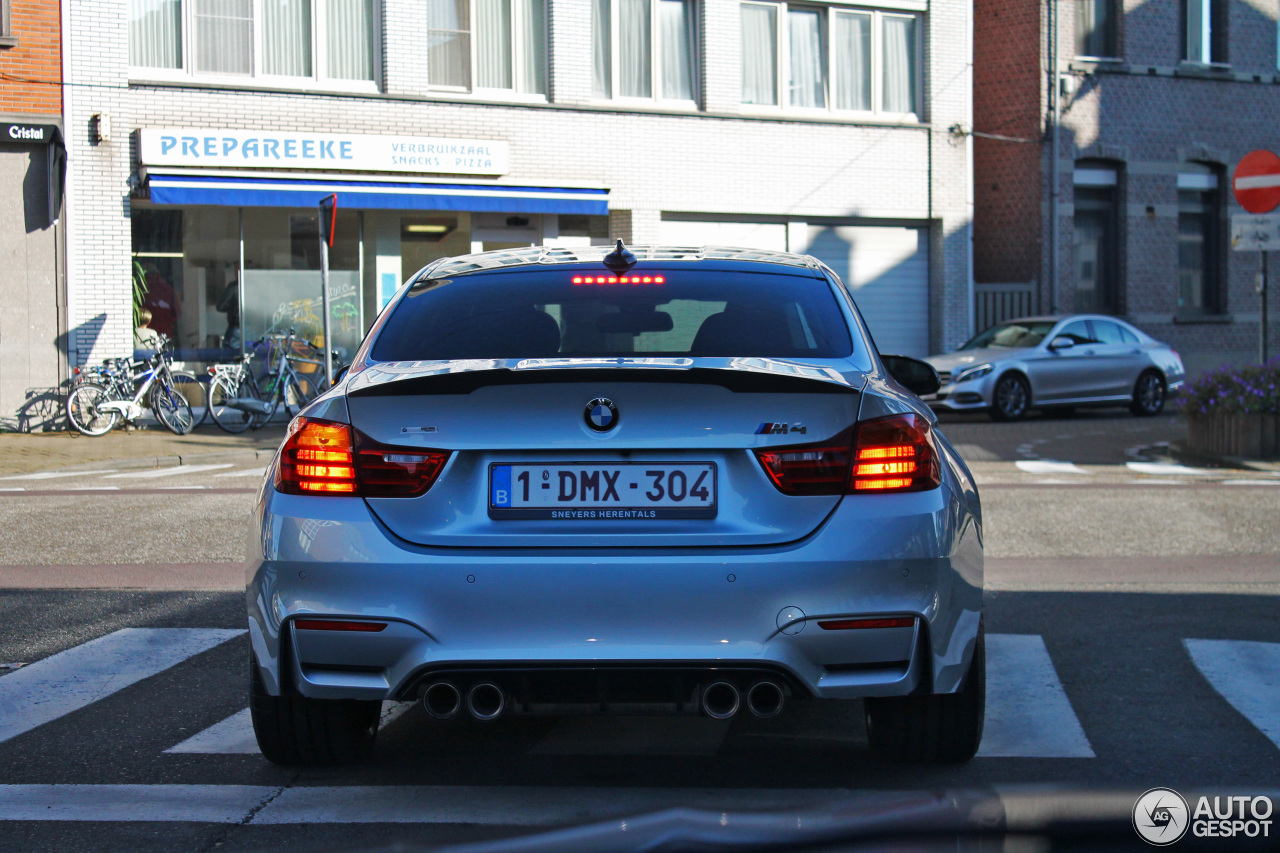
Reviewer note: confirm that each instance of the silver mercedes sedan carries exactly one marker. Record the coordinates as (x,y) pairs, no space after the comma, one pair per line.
(656,480)
(1057,362)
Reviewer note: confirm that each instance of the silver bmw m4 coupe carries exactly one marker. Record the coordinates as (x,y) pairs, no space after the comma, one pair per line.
(662,480)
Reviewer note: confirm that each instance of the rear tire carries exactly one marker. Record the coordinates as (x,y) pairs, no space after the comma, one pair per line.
(294,730)
(941,728)
(196,392)
(228,419)
(1011,398)
(1148,395)
(82,410)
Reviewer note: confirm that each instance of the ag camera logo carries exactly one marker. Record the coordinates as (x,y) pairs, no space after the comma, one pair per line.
(1161,816)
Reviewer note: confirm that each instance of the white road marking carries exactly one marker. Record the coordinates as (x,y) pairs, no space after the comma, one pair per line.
(12,489)
(168,472)
(247,472)
(1048,466)
(91,489)
(1251,482)
(78,677)
(633,736)
(234,735)
(1246,674)
(1028,712)
(197,803)
(1158,482)
(1166,468)
(53,475)
(539,805)
(180,488)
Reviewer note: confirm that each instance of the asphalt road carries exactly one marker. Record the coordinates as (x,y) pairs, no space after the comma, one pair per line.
(1131,612)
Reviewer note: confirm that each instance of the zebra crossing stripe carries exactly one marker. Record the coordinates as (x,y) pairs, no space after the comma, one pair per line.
(78,677)
(255,805)
(1247,675)
(1048,466)
(1028,712)
(1164,468)
(168,472)
(234,735)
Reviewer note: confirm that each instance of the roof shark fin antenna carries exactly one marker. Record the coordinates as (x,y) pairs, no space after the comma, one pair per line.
(620,259)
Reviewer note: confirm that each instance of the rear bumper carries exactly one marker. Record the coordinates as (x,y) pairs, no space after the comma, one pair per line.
(671,610)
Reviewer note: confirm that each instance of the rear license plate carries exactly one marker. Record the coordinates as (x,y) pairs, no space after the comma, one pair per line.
(591,491)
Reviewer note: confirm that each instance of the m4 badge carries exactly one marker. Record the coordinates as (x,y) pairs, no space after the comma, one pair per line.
(781,429)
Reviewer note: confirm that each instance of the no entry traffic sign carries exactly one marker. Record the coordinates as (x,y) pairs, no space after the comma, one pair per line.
(1256,182)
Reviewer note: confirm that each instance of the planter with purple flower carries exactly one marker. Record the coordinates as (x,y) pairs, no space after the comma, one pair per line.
(1235,412)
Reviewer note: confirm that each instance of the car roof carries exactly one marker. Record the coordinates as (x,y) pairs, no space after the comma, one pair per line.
(714,257)
(1054,318)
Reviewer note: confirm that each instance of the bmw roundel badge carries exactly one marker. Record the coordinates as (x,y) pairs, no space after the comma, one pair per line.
(601,414)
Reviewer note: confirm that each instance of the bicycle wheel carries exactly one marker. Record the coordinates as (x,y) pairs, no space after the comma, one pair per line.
(190,386)
(83,412)
(221,390)
(171,408)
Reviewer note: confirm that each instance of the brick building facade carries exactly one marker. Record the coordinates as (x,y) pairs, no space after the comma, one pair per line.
(858,170)
(32,265)
(1157,105)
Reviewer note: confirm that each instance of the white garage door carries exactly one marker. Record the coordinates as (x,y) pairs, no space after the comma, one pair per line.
(745,235)
(887,268)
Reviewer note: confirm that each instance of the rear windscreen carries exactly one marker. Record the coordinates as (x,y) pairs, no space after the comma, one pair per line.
(549,313)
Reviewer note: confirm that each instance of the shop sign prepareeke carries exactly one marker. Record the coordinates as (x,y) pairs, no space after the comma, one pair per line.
(239,149)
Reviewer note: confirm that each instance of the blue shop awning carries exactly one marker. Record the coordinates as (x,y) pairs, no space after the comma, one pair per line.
(289,192)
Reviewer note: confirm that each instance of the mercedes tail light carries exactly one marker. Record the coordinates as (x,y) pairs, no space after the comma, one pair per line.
(891,454)
(327,458)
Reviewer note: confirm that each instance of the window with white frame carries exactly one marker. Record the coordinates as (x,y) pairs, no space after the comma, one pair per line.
(644,49)
(496,45)
(329,41)
(837,58)
(1097,29)
(1204,24)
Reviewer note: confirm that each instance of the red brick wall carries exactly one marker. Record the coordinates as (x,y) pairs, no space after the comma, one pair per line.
(1007,101)
(37,24)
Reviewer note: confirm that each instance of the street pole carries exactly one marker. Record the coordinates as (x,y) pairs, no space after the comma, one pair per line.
(324,306)
(1262,292)
(328,222)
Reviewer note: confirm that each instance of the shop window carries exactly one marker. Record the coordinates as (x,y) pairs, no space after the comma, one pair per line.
(830,58)
(281,287)
(1097,29)
(1097,238)
(1200,243)
(644,49)
(281,41)
(479,45)
(1204,27)
(190,259)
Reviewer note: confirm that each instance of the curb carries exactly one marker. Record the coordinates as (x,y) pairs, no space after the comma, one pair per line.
(1185,455)
(168,461)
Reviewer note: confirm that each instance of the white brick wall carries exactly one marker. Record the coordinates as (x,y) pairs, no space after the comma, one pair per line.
(717,161)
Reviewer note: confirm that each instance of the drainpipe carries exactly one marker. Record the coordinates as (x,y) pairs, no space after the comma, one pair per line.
(1054,94)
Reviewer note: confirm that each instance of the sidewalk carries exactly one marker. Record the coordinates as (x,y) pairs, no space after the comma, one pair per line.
(25,453)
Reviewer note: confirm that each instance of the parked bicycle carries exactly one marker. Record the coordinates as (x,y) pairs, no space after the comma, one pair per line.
(103,397)
(239,400)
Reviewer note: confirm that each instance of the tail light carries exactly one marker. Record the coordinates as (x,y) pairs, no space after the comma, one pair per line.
(891,454)
(327,458)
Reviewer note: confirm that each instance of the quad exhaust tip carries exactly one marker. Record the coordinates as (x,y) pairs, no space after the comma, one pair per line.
(765,699)
(720,700)
(442,700)
(486,701)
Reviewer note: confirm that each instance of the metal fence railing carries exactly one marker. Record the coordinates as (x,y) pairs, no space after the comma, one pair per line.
(995,303)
